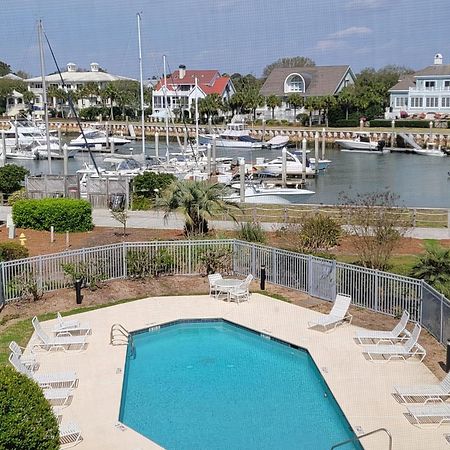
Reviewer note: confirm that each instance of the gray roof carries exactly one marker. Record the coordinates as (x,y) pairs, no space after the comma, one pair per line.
(319,80)
(410,80)
(12,76)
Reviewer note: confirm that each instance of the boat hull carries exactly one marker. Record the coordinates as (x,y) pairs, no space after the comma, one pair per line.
(347,145)
(228,143)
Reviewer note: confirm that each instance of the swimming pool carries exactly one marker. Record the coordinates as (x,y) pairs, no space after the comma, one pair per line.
(216,385)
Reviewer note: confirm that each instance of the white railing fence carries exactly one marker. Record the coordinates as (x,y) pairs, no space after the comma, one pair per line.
(378,291)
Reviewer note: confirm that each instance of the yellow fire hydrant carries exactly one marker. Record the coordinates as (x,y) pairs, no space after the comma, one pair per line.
(22,239)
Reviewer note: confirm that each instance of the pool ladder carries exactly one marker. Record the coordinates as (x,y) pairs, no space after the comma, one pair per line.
(358,438)
(119,335)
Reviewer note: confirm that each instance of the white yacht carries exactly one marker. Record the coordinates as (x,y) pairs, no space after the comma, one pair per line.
(97,140)
(236,135)
(267,193)
(362,143)
(293,166)
(431,149)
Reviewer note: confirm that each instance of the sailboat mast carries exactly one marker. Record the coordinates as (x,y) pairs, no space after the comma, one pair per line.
(142,83)
(166,106)
(196,116)
(44,95)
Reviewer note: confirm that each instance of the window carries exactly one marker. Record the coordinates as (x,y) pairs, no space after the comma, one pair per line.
(416,102)
(430,84)
(445,102)
(401,101)
(432,102)
(294,84)
(37,85)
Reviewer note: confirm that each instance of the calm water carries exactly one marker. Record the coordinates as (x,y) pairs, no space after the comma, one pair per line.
(212,385)
(419,181)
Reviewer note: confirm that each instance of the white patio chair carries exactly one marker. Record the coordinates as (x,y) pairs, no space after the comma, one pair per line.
(46,380)
(69,435)
(56,342)
(70,327)
(402,351)
(338,314)
(425,392)
(430,413)
(242,291)
(399,333)
(28,361)
(212,279)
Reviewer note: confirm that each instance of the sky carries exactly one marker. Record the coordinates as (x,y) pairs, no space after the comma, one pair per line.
(228,35)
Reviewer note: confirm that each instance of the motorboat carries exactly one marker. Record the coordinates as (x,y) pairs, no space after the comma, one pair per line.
(362,142)
(294,166)
(55,153)
(20,154)
(268,193)
(431,149)
(236,135)
(97,140)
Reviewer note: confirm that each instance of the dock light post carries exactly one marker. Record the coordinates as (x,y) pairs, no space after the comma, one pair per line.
(263,129)
(323,143)
(431,130)
(392,132)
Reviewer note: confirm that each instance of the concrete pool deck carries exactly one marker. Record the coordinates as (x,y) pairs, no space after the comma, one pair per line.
(362,388)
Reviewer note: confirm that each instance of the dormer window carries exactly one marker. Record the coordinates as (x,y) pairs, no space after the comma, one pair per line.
(430,84)
(294,83)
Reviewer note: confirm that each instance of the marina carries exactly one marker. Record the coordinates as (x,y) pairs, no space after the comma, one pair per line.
(418,181)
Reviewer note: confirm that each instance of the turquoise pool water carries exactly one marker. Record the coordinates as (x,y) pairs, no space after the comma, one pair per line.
(214,385)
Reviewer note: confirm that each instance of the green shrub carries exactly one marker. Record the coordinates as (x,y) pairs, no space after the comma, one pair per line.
(65,214)
(12,250)
(11,178)
(149,184)
(90,273)
(21,194)
(216,260)
(346,123)
(318,234)
(141,203)
(27,420)
(252,232)
(145,263)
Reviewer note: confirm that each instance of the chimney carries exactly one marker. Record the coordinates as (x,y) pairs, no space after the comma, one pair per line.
(437,59)
(71,67)
(182,71)
(94,67)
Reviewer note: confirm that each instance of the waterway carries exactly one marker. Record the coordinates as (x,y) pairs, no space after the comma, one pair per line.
(419,181)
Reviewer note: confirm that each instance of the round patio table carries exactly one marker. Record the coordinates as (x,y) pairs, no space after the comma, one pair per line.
(226,285)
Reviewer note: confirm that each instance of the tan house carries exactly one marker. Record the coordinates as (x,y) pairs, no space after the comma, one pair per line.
(313,81)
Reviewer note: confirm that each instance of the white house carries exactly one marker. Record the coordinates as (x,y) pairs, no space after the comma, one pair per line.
(424,92)
(180,91)
(74,80)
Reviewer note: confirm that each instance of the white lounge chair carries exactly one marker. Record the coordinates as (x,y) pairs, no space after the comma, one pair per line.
(212,279)
(404,350)
(56,342)
(425,392)
(70,327)
(28,361)
(69,435)
(338,314)
(399,333)
(46,380)
(430,413)
(58,396)
(242,291)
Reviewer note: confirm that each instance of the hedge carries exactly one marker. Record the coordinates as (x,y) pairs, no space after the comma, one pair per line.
(12,250)
(26,418)
(345,123)
(65,214)
(380,123)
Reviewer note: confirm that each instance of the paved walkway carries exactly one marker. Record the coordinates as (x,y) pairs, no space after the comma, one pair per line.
(362,388)
(156,220)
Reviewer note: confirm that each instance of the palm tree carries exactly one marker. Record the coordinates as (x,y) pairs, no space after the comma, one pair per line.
(252,100)
(296,101)
(272,101)
(210,105)
(110,92)
(311,105)
(199,201)
(347,99)
(434,267)
(328,101)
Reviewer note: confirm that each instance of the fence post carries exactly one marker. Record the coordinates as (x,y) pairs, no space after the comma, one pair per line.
(275,278)
(124,260)
(189,257)
(375,305)
(441,334)
(2,286)
(310,263)
(253,262)
(39,284)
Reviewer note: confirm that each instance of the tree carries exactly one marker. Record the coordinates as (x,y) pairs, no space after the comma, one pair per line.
(11,178)
(199,201)
(272,101)
(210,105)
(311,105)
(252,100)
(26,416)
(4,69)
(328,102)
(121,215)
(296,61)
(377,223)
(434,267)
(7,87)
(22,74)
(347,99)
